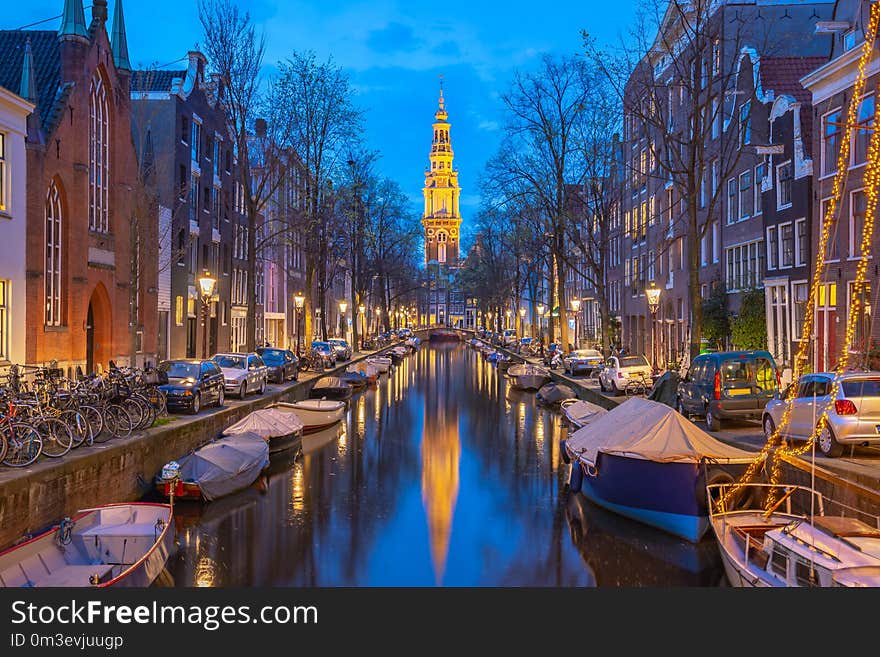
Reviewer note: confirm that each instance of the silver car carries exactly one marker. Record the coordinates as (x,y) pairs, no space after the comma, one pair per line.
(853,418)
(242,373)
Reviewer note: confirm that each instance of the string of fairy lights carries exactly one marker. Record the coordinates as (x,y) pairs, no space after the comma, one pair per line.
(774,449)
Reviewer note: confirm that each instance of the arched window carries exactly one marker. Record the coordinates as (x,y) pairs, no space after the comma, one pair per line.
(441,246)
(99,156)
(53,257)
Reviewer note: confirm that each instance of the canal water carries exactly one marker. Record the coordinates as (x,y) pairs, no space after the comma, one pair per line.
(441,474)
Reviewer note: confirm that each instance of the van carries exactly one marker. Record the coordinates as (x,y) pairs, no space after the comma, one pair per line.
(728,385)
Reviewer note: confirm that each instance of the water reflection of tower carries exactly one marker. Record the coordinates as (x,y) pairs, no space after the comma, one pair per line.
(441,455)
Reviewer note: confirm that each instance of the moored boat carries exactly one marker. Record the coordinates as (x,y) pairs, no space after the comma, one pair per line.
(219,468)
(645,461)
(580,412)
(382,363)
(356,380)
(527,376)
(280,430)
(330,387)
(370,370)
(111,545)
(315,414)
(316,440)
(791,542)
(552,394)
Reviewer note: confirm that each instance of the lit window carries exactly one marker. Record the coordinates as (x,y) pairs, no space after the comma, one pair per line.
(830,142)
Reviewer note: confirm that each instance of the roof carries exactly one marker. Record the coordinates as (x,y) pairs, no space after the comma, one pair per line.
(154,80)
(783,76)
(47,67)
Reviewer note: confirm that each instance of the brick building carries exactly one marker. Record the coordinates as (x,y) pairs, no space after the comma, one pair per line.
(91,284)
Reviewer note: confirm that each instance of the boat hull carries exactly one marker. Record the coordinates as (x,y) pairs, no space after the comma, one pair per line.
(315,417)
(662,495)
(529,381)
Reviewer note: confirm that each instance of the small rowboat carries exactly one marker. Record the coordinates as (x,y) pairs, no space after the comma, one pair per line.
(382,363)
(580,412)
(528,376)
(111,545)
(279,430)
(315,414)
(330,387)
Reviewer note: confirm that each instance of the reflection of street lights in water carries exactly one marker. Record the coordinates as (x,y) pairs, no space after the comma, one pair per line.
(207,284)
(653,296)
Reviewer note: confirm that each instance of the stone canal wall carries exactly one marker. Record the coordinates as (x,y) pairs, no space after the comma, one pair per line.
(36,497)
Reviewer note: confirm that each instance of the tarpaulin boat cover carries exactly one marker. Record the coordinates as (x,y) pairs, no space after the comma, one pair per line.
(645,429)
(553,393)
(665,390)
(226,465)
(268,423)
(583,411)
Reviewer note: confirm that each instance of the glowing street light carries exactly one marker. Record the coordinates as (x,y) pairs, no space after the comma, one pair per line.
(207,285)
(652,294)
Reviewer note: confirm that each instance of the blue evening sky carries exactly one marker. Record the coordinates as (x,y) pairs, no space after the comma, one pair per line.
(394,51)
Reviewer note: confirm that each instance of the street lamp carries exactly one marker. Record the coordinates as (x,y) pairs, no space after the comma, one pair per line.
(541,321)
(489,320)
(653,295)
(378,317)
(507,314)
(207,283)
(343,306)
(575,308)
(299,302)
(522,322)
(362,314)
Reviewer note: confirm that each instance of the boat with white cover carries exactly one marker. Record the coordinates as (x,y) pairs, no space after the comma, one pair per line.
(111,545)
(315,414)
(580,412)
(382,363)
(528,376)
(280,430)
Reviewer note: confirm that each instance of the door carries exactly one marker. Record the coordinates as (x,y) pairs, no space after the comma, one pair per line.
(90,341)
(826,327)
(691,387)
(191,337)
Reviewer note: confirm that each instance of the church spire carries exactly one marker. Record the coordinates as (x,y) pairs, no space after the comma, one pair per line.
(441,114)
(73,21)
(118,40)
(28,91)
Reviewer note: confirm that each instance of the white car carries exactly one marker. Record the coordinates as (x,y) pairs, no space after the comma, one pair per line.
(243,373)
(508,338)
(620,370)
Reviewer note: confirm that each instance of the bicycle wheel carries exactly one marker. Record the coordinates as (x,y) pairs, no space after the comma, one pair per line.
(25,444)
(135,411)
(95,420)
(117,421)
(79,427)
(4,446)
(56,435)
(149,411)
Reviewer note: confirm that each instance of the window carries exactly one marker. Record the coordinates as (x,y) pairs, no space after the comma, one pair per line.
(4,182)
(745,265)
(860,301)
(184,130)
(745,123)
(772,247)
(849,40)
(703,183)
(53,257)
(731,201)
(862,133)
(216,158)
(704,249)
(760,173)
(830,142)
(4,320)
(714,179)
(745,194)
(716,119)
(716,241)
(783,185)
(178,311)
(195,142)
(799,294)
(99,156)
(716,57)
(786,245)
(858,206)
(194,199)
(801,243)
(832,252)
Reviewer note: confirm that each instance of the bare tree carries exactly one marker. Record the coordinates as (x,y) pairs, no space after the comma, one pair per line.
(324,123)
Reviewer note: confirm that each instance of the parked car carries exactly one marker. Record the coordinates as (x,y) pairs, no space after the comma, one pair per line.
(342,349)
(525,345)
(853,419)
(282,364)
(620,370)
(508,338)
(406,333)
(192,384)
(582,361)
(727,385)
(243,373)
(325,353)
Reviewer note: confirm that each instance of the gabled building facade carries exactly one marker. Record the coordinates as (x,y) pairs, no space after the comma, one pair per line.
(91,283)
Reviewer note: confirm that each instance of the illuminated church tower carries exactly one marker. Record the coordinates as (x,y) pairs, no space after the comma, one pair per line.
(441,222)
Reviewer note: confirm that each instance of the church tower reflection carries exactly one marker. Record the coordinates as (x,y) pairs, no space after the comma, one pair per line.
(441,457)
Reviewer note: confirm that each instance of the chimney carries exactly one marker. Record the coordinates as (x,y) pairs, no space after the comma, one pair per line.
(99,11)
(260,127)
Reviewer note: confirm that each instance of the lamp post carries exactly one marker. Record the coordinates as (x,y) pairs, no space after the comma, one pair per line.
(343,306)
(653,296)
(540,322)
(489,321)
(507,314)
(299,302)
(362,314)
(207,283)
(378,319)
(575,308)
(522,322)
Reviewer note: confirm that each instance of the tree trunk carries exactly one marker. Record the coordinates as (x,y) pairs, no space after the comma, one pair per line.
(560,298)
(251,333)
(694,297)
